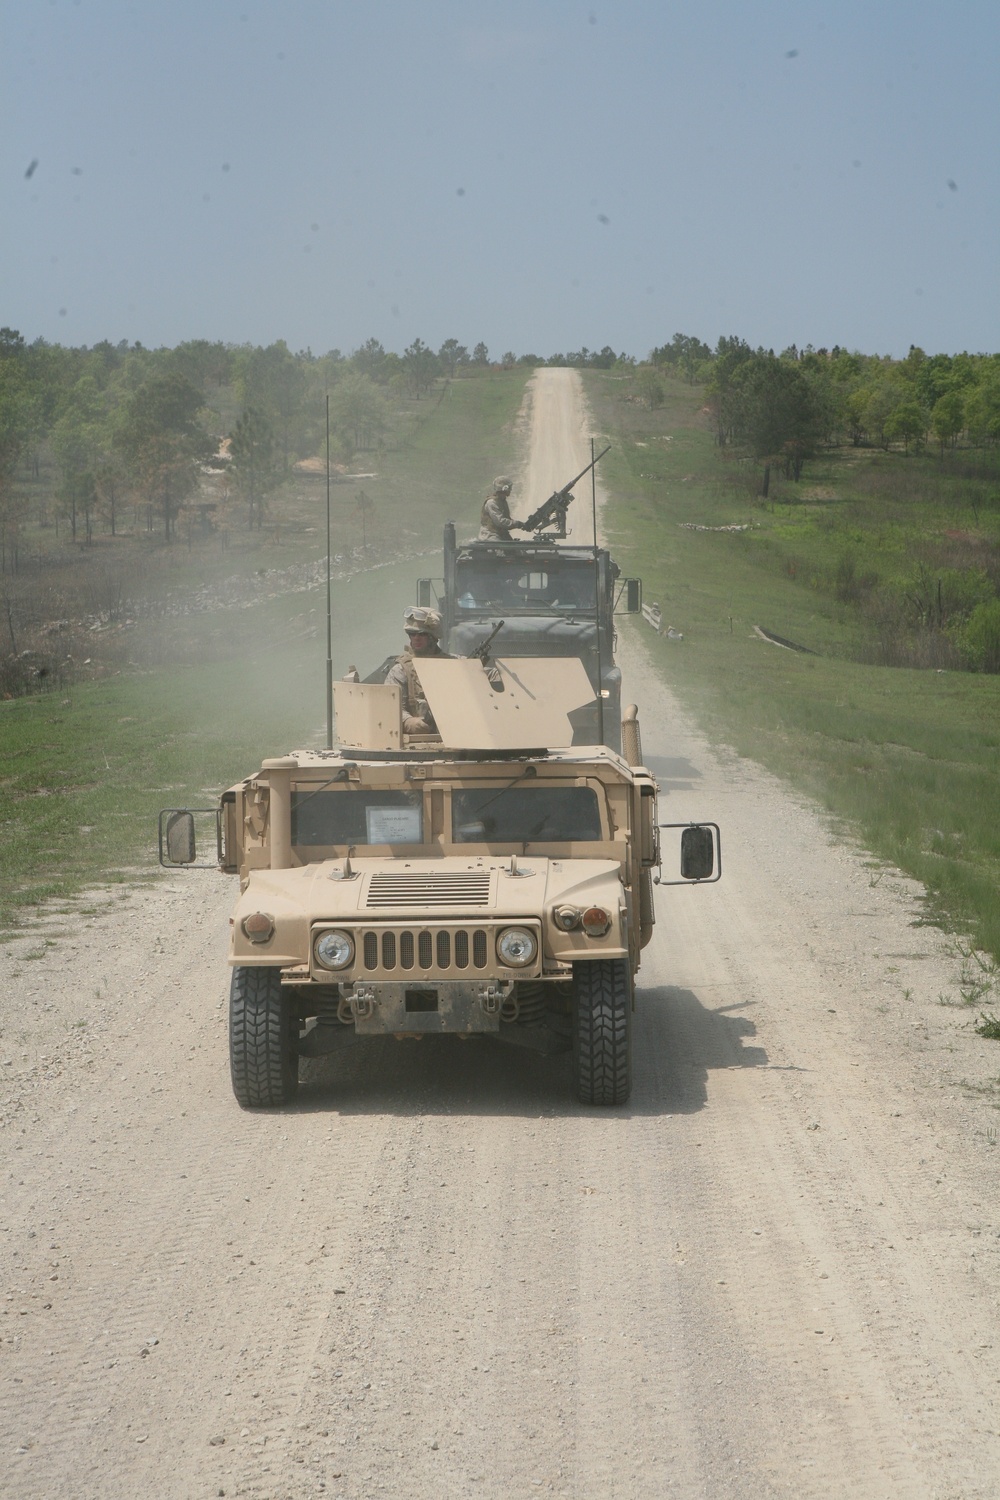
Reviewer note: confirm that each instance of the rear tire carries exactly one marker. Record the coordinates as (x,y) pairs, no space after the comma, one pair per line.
(602,1030)
(263,1039)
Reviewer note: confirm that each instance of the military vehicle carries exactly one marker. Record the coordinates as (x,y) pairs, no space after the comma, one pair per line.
(473,881)
(552,601)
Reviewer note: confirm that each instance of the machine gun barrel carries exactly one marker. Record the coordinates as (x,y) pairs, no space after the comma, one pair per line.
(483,649)
(553,510)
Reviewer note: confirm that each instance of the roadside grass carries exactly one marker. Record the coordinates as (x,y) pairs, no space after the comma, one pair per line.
(907,758)
(85,776)
(85,769)
(86,772)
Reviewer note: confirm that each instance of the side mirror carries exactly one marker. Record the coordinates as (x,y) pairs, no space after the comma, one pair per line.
(177,843)
(633,596)
(697,853)
(424,593)
(700,853)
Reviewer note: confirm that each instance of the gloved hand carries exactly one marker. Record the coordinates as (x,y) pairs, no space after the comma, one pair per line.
(414,725)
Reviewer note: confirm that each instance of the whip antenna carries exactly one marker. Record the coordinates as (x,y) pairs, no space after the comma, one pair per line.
(597,595)
(329,595)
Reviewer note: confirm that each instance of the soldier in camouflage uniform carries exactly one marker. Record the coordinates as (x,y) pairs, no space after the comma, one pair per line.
(423,630)
(495,521)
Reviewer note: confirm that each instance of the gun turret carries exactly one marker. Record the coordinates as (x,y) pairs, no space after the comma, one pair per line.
(483,649)
(552,512)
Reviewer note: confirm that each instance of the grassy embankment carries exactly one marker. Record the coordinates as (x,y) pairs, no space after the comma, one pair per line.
(86,769)
(908,758)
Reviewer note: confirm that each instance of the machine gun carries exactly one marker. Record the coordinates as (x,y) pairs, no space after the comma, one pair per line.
(552,512)
(483,649)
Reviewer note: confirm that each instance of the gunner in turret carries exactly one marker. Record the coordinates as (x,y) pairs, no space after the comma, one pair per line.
(495,522)
(423,630)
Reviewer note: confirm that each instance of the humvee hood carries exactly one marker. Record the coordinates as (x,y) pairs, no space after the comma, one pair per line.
(422,890)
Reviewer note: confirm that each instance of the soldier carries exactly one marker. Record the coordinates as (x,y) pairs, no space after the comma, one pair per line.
(495,522)
(423,630)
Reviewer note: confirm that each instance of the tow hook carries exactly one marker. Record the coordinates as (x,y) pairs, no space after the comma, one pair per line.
(491,998)
(362,1003)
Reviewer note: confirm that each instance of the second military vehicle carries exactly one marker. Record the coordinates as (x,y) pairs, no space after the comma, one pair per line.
(552,600)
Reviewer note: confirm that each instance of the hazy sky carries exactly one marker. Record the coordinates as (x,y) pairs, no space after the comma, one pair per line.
(539,175)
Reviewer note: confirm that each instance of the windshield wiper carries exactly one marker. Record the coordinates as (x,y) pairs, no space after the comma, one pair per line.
(528,771)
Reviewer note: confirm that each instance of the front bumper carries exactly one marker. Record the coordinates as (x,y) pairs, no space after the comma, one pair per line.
(426,1005)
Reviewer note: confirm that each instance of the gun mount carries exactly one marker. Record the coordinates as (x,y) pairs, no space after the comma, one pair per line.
(549,520)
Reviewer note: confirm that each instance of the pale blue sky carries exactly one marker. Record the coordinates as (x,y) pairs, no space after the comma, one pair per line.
(540,176)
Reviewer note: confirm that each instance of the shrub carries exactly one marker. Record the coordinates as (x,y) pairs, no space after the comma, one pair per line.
(978,639)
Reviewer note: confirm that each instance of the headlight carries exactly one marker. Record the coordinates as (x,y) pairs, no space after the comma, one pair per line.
(566,918)
(334,950)
(516,947)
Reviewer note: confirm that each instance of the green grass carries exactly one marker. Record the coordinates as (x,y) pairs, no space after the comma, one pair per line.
(86,769)
(906,758)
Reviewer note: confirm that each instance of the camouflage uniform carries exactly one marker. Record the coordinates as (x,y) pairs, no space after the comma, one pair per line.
(417,717)
(495,521)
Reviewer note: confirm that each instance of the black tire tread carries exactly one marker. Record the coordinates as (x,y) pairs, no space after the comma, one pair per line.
(602,1030)
(262,1056)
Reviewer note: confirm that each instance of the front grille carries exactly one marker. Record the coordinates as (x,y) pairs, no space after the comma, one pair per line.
(451,950)
(438,950)
(403,888)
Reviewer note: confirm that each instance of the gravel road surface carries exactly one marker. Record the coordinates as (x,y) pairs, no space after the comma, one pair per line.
(775,1273)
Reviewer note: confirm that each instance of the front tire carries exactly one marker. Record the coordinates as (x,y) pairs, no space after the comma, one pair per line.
(263,1039)
(602,1030)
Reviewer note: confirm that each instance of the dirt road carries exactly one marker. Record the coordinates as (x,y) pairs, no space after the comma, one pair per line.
(774,1274)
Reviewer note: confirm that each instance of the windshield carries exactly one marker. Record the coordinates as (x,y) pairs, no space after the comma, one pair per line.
(521,814)
(532,586)
(351,816)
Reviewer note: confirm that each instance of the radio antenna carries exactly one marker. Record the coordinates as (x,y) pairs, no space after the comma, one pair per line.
(329,594)
(597,594)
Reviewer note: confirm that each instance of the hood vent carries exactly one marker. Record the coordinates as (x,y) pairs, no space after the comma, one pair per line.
(429,888)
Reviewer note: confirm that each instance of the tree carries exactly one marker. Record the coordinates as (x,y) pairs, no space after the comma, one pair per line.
(982,410)
(948,418)
(881,398)
(76,441)
(452,354)
(685,353)
(18,417)
(907,424)
(358,410)
(202,361)
(420,365)
(370,360)
(730,354)
(253,462)
(273,381)
(775,414)
(78,496)
(162,442)
(480,355)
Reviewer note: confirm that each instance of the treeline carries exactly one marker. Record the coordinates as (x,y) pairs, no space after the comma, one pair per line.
(126,426)
(783,408)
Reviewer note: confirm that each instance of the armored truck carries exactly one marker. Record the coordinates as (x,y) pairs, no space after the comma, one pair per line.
(474,881)
(554,601)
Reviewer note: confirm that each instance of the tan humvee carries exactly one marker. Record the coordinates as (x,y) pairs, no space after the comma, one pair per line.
(467,881)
